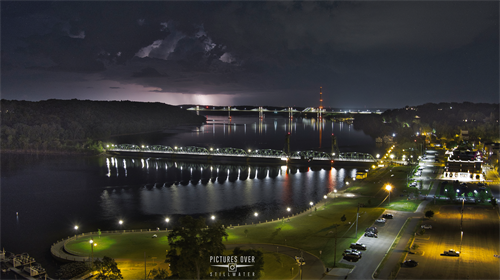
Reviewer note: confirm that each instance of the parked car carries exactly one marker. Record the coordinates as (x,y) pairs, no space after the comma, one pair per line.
(426,226)
(352,251)
(410,263)
(371,234)
(352,257)
(451,252)
(372,229)
(388,216)
(381,220)
(358,246)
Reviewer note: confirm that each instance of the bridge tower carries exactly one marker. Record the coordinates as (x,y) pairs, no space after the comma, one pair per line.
(335,147)
(320,109)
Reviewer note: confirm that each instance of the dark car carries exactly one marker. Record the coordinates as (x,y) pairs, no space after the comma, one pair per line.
(410,263)
(352,251)
(371,234)
(372,229)
(352,257)
(358,246)
(388,216)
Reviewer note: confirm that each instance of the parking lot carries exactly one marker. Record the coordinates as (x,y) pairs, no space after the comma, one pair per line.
(480,242)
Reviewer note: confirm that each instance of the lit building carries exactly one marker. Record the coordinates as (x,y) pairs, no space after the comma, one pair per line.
(464,166)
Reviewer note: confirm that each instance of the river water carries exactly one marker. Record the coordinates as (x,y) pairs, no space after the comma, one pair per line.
(52,194)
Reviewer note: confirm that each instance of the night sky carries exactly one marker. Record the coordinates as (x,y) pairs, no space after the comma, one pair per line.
(384,54)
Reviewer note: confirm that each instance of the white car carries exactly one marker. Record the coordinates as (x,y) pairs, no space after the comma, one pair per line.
(426,226)
(382,220)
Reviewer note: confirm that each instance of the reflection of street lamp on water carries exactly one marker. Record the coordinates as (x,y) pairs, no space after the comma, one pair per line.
(389,188)
(461,236)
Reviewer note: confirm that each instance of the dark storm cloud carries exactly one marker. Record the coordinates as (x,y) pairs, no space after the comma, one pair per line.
(147,72)
(370,51)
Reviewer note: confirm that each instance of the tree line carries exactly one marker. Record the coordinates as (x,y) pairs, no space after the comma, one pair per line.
(443,120)
(79,125)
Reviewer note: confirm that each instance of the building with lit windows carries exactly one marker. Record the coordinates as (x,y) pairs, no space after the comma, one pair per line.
(464,166)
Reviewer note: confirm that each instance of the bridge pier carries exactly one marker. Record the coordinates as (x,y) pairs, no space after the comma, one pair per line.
(229,112)
(261,113)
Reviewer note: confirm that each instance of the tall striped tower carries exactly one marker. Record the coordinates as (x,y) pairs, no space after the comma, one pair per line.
(320,98)
(320,102)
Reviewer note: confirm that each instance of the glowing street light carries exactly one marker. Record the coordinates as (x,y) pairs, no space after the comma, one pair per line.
(76,231)
(167,220)
(288,209)
(389,188)
(256,214)
(92,244)
(213,217)
(120,222)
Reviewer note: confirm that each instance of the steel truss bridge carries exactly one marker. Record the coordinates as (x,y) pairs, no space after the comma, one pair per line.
(240,153)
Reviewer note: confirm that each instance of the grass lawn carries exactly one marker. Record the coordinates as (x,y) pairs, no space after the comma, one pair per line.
(404,205)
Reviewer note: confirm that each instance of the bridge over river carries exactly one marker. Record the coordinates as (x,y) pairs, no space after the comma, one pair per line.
(237,154)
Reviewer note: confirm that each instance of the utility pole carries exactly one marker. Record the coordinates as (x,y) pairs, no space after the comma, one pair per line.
(357,214)
(335,252)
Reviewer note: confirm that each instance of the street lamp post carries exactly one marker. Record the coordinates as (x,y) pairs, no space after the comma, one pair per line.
(76,232)
(166,221)
(324,197)
(335,195)
(92,251)
(389,187)
(311,203)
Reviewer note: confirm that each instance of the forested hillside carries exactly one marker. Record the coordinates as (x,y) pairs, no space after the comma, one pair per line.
(77,125)
(441,120)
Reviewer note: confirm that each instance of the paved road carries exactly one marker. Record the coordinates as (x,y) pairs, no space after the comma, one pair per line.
(378,248)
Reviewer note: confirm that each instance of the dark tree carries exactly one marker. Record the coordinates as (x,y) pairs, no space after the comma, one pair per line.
(429,214)
(251,272)
(493,202)
(159,273)
(107,269)
(191,245)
